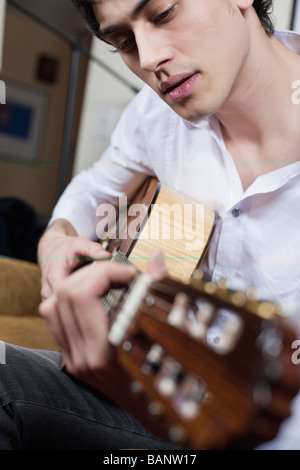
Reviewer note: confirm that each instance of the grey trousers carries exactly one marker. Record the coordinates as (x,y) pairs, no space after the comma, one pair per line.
(43,408)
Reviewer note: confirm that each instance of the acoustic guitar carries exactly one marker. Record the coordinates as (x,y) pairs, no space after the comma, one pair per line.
(160,218)
(212,365)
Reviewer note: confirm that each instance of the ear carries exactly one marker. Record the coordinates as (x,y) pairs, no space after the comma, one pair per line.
(244,4)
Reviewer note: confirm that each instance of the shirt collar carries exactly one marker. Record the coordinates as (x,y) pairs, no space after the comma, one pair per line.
(290,39)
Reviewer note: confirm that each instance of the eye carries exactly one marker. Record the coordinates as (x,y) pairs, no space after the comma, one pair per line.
(166,15)
(125,46)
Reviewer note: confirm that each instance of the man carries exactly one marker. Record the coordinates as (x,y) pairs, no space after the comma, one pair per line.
(217,122)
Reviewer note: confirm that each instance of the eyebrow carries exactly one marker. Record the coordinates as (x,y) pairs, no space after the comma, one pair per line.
(140,6)
(136,11)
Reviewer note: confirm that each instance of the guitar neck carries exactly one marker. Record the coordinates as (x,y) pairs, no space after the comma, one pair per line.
(115,298)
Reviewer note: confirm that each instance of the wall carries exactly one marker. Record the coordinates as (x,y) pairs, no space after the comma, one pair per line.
(104,95)
(297,17)
(105,98)
(24,41)
(2,16)
(282,13)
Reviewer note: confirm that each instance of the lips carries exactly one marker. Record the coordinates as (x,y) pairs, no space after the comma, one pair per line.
(174,82)
(179,86)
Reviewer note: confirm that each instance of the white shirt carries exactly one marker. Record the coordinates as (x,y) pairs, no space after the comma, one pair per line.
(257,237)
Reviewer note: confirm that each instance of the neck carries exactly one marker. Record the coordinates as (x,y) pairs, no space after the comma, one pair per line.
(260,108)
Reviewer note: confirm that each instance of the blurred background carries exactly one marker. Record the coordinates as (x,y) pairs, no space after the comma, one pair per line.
(64,93)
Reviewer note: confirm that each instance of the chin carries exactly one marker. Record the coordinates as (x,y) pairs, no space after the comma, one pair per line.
(197,112)
(193,116)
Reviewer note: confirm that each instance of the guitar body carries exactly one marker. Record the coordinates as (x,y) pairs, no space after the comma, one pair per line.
(159,218)
(213,366)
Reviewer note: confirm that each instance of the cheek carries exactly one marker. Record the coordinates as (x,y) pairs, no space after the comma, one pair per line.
(132,62)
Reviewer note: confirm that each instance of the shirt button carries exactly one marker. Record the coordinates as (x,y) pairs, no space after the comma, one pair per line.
(236,213)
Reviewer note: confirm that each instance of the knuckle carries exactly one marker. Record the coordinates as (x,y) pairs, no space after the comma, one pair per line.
(45,292)
(61,291)
(78,366)
(93,364)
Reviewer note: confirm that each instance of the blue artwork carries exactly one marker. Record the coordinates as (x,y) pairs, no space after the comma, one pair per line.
(16,120)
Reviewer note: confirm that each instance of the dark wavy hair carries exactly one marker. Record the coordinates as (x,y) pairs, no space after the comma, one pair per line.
(263,9)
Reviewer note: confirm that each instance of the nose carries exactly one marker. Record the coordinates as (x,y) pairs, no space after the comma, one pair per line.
(154,51)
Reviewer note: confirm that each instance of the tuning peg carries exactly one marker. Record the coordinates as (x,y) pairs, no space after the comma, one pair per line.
(127,345)
(150,301)
(222,283)
(176,434)
(155,409)
(179,310)
(253,294)
(238,299)
(210,288)
(136,388)
(197,275)
(266,310)
(153,359)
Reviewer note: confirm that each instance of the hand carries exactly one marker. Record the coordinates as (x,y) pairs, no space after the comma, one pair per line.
(60,251)
(78,322)
(79,325)
(76,319)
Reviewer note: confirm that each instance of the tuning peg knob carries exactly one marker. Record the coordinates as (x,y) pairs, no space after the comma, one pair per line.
(176,434)
(136,388)
(197,275)
(155,409)
(238,299)
(210,288)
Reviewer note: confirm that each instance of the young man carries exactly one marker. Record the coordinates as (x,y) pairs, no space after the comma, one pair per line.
(216,121)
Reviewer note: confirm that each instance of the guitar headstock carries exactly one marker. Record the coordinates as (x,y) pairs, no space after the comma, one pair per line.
(214,365)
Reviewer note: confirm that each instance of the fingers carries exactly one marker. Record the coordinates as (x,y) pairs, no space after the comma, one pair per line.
(66,254)
(78,250)
(156,266)
(51,278)
(50,313)
(76,318)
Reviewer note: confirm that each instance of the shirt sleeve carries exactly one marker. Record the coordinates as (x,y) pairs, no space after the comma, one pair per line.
(119,172)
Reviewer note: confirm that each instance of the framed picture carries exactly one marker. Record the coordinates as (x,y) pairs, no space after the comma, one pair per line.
(296,16)
(22,122)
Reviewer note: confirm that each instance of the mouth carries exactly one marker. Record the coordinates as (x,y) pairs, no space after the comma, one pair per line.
(179,86)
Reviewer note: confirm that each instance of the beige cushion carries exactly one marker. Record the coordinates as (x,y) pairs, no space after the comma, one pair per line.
(29,332)
(20,297)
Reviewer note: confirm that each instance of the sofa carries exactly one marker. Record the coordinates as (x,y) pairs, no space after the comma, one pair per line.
(20,322)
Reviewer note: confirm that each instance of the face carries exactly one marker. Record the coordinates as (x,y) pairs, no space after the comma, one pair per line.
(190,52)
